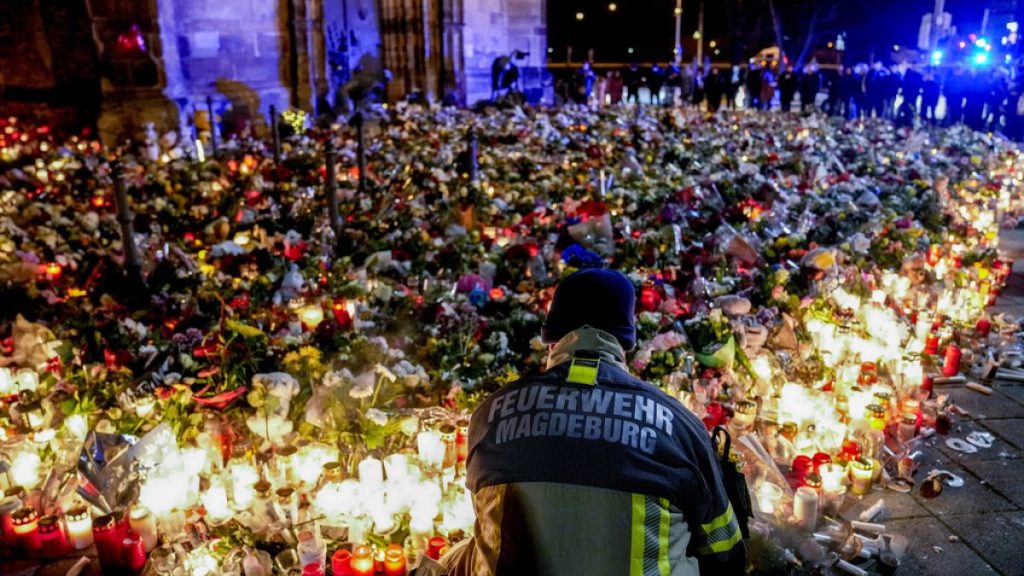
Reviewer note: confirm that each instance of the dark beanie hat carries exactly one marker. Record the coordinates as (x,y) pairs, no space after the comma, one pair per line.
(603,299)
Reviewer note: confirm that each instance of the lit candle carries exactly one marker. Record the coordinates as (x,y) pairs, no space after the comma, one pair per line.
(436,547)
(951,367)
(311,315)
(109,541)
(79,527)
(311,549)
(768,497)
(14,498)
(215,500)
(362,561)
(51,535)
(861,471)
(430,448)
(243,477)
(394,560)
(143,523)
(25,524)
(805,507)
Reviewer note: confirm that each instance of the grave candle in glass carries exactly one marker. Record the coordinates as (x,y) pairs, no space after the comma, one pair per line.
(25,524)
(108,541)
(394,560)
(861,471)
(79,527)
(341,563)
(362,561)
(133,553)
(142,522)
(51,535)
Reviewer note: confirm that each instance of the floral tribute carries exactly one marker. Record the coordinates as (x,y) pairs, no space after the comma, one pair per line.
(284,393)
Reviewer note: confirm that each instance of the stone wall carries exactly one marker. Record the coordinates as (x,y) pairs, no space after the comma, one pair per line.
(495,28)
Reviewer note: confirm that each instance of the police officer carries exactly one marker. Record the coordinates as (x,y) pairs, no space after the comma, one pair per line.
(585,470)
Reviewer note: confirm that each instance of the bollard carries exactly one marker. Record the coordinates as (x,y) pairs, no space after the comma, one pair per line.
(275,132)
(213,126)
(474,145)
(132,263)
(331,189)
(357,122)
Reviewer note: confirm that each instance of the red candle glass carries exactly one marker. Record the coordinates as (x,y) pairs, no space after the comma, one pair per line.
(394,560)
(341,563)
(25,523)
(51,534)
(951,367)
(931,344)
(14,497)
(983,327)
(819,459)
(313,570)
(801,466)
(436,546)
(108,540)
(133,552)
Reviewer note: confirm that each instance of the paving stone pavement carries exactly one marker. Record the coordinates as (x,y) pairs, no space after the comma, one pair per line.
(978,528)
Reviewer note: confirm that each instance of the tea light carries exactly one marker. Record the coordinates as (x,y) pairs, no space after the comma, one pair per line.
(79,527)
(143,523)
(25,525)
(243,477)
(311,315)
(805,507)
(394,560)
(861,471)
(768,497)
(362,561)
(215,500)
(744,414)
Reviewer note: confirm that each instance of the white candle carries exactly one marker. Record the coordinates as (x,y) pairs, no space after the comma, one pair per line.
(805,507)
(143,523)
(200,153)
(371,474)
(243,478)
(430,448)
(79,528)
(768,496)
(215,500)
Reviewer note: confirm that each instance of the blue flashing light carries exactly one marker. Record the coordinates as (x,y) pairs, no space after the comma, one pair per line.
(937,56)
(981,58)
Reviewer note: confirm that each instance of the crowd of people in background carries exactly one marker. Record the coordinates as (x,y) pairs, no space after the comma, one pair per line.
(985,99)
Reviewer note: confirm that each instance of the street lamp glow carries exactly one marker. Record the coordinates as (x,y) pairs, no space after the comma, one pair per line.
(895,47)
(579,15)
(696,35)
(677,12)
(630,50)
(712,44)
(613,7)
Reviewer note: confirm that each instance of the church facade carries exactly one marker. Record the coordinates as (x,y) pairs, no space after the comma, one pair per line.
(120,64)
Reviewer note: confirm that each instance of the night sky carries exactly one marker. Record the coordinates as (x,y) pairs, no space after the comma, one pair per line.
(648,26)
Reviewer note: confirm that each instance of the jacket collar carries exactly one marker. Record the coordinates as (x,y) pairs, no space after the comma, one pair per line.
(591,340)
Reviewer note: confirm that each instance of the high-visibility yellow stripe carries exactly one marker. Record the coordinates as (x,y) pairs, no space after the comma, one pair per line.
(722,520)
(721,546)
(636,540)
(580,373)
(663,567)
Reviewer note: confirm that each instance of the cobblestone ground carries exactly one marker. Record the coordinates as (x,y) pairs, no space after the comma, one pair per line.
(978,528)
(972,530)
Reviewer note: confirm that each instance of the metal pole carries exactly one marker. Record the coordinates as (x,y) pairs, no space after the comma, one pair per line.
(679,31)
(474,146)
(132,263)
(936,17)
(275,133)
(700,32)
(357,121)
(213,127)
(331,189)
